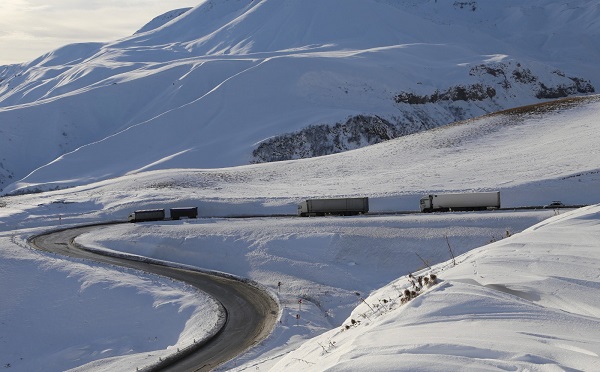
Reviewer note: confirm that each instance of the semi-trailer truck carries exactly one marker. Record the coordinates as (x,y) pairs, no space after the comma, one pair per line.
(147,215)
(460,202)
(341,206)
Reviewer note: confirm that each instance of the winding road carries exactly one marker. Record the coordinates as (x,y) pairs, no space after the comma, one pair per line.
(251,313)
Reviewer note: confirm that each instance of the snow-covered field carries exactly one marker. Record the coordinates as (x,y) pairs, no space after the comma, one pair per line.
(528,301)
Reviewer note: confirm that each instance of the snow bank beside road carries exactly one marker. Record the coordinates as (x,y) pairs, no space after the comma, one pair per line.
(528,303)
(58,314)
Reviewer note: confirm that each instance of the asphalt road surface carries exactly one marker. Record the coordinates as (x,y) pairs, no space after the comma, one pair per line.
(251,313)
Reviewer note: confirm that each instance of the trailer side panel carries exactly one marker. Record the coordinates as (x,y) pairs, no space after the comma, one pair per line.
(341,206)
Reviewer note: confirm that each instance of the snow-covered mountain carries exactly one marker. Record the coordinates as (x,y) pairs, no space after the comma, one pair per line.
(231,82)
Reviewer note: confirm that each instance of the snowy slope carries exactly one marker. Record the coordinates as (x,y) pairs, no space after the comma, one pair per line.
(206,88)
(552,147)
(161,20)
(525,303)
(58,314)
(532,155)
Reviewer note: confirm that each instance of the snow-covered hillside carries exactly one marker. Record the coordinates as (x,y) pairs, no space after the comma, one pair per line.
(541,282)
(527,303)
(211,85)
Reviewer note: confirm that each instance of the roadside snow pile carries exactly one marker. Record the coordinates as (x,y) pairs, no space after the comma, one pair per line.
(527,302)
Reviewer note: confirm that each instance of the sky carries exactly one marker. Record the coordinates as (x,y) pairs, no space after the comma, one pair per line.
(30,28)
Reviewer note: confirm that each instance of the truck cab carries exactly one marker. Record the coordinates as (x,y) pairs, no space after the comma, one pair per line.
(425,203)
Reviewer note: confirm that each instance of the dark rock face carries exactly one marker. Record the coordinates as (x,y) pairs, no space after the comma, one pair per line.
(473,92)
(506,77)
(562,91)
(319,140)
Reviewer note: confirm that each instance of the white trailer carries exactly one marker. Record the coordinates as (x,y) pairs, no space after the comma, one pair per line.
(471,201)
(341,206)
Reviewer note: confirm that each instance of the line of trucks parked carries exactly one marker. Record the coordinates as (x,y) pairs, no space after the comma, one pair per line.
(471,201)
(159,214)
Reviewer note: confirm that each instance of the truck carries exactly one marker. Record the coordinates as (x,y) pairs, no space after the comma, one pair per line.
(147,215)
(187,212)
(471,201)
(340,206)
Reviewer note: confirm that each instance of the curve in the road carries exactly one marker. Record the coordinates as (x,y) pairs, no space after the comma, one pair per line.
(251,312)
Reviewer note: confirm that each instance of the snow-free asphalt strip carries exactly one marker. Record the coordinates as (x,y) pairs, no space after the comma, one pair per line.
(251,313)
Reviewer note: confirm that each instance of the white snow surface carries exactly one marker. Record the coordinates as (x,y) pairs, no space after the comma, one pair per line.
(525,302)
(60,314)
(203,89)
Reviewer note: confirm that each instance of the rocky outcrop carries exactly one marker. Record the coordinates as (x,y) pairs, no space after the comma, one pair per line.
(318,140)
(468,93)
(503,76)
(498,86)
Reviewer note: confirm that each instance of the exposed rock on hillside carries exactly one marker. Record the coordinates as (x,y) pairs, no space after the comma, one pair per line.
(474,92)
(496,83)
(318,140)
(504,76)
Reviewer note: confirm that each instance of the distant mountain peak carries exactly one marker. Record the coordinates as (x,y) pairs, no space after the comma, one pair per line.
(161,20)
